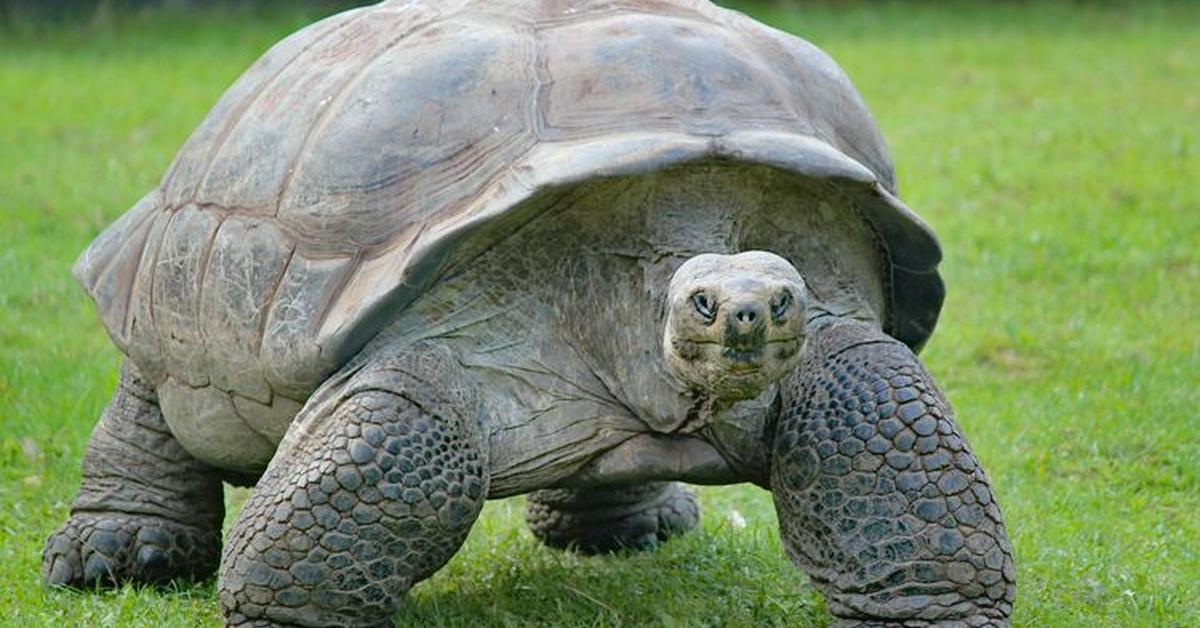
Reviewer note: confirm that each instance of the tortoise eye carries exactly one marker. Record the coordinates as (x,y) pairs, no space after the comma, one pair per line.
(705,305)
(780,304)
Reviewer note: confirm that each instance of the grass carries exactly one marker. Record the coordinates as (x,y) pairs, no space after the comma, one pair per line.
(1055,148)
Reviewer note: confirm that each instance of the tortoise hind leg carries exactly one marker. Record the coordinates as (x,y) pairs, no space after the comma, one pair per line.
(596,520)
(879,497)
(368,495)
(146,511)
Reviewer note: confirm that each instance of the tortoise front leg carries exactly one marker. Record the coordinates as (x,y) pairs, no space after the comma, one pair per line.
(879,498)
(364,499)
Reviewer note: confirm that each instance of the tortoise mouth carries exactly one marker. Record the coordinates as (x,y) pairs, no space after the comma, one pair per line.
(733,372)
(751,358)
(744,360)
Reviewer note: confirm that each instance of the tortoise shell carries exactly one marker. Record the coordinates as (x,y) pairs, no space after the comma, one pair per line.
(331,182)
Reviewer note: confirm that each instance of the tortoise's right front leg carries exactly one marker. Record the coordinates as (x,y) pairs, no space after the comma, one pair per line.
(370,496)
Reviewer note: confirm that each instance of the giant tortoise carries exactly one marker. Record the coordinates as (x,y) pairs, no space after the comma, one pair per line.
(428,253)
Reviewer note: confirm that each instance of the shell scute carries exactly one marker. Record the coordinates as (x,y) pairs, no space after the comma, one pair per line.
(254,165)
(821,93)
(608,79)
(207,424)
(290,355)
(140,330)
(106,267)
(178,275)
(417,136)
(245,267)
(188,170)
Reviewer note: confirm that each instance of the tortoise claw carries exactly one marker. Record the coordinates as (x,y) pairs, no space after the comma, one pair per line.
(108,549)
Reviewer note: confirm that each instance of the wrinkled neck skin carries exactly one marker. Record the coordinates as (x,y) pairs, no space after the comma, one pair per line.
(690,433)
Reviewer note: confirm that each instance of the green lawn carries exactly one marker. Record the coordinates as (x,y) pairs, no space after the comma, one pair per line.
(1055,148)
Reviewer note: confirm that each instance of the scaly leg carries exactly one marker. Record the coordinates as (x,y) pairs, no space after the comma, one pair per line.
(372,495)
(879,498)
(146,510)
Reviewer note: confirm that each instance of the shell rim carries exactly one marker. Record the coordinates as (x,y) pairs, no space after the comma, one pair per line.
(913,287)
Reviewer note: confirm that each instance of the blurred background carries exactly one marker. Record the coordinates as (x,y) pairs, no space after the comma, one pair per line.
(84,10)
(1054,146)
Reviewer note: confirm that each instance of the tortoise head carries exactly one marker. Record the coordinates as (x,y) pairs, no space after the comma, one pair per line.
(735,323)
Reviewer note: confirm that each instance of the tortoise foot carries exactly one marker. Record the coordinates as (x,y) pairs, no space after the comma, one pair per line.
(594,521)
(978,621)
(108,549)
(241,621)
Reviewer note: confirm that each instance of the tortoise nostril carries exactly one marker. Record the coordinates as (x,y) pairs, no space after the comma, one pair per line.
(748,315)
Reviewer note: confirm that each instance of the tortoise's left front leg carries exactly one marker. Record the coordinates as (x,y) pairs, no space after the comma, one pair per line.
(879,498)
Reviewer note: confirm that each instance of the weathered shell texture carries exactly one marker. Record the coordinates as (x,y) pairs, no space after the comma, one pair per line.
(330,183)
